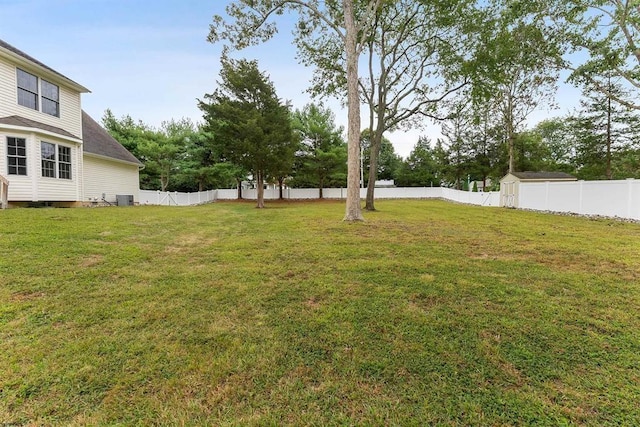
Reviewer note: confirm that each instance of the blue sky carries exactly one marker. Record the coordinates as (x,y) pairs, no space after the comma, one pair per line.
(150,59)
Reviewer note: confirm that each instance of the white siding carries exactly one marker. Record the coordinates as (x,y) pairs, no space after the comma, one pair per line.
(109,177)
(8,91)
(70,106)
(34,187)
(56,189)
(20,187)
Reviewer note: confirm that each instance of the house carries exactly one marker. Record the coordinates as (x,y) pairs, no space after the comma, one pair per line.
(510,184)
(51,152)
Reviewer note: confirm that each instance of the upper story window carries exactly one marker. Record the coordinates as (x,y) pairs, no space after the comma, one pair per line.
(27,89)
(16,156)
(50,98)
(38,94)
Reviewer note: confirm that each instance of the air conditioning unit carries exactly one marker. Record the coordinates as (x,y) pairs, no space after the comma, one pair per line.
(124,199)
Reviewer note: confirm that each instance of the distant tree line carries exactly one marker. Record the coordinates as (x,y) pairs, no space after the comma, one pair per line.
(600,140)
(479,69)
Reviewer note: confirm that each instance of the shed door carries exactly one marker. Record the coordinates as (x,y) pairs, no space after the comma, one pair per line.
(508,191)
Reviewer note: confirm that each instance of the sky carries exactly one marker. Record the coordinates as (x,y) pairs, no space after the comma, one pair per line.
(151,59)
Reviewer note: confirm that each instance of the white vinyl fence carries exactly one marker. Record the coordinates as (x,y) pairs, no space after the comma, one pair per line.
(174,198)
(606,198)
(619,198)
(167,198)
(481,199)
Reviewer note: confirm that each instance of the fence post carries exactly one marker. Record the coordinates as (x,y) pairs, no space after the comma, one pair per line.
(546,196)
(580,195)
(630,182)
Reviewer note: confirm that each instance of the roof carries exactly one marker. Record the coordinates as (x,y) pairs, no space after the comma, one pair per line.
(97,141)
(547,176)
(17,52)
(28,123)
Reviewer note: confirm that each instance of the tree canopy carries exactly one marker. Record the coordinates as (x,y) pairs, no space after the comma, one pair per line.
(321,159)
(250,122)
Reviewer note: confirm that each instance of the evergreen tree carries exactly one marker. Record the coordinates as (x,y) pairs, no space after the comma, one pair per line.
(420,168)
(604,130)
(321,158)
(252,125)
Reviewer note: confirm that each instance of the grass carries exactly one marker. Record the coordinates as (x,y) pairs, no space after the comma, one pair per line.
(428,313)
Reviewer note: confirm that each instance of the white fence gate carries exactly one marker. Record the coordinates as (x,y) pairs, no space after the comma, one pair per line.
(174,198)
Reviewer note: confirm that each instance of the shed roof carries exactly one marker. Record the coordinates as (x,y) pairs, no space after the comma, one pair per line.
(97,141)
(545,176)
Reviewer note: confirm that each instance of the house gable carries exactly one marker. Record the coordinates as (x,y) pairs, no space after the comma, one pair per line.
(50,150)
(35,92)
(22,58)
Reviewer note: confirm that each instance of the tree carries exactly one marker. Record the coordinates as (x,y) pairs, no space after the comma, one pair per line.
(198,168)
(417,55)
(607,31)
(521,65)
(254,124)
(420,168)
(161,153)
(179,156)
(350,20)
(556,135)
(531,154)
(388,161)
(135,136)
(603,130)
(456,131)
(322,156)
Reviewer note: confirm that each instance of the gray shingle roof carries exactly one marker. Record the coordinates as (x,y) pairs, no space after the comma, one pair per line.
(98,141)
(30,58)
(543,175)
(28,123)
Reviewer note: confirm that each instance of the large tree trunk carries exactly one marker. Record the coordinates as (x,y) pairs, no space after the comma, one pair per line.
(353,209)
(239,183)
(511,142)
(510,134)
(608,169)
(164,182)
(280,185)
(375,145)
(260,190)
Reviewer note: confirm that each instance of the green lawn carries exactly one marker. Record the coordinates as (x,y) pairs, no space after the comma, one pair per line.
(427,313)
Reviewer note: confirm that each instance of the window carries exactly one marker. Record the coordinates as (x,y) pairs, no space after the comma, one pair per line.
(46,100)
(55,166)
(27,89)
(50,98)
(48,159)
(64,162)
(16,156)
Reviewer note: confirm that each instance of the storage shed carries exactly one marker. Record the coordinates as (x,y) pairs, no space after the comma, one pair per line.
(510,184)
